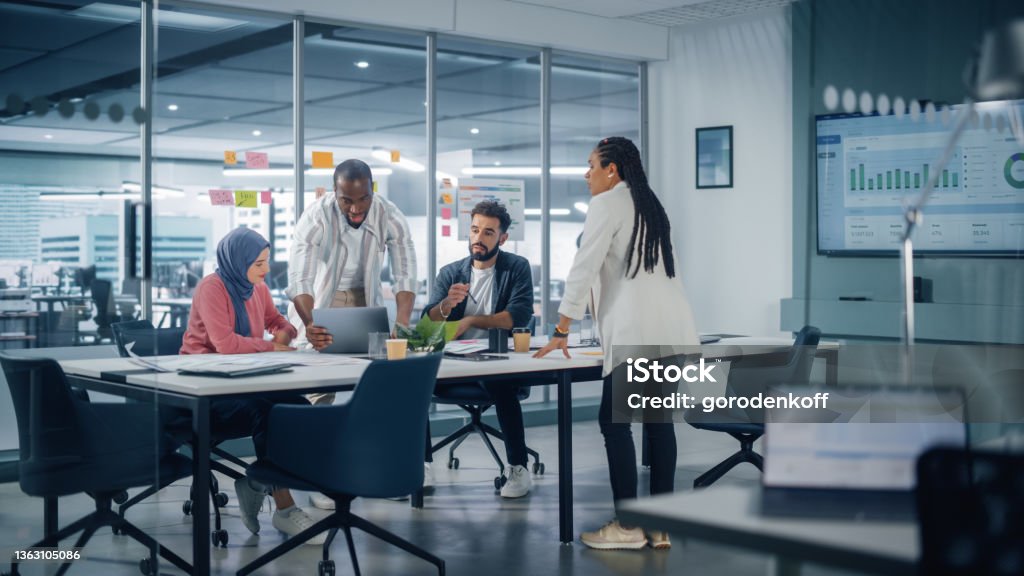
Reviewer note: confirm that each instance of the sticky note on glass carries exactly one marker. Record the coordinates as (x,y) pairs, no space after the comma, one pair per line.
(447,199)
(230,157)
(265,197)
(374,186)
(396,156)
(245,199)
(256,160)
(221,198)
(323,159)
(320,191)
(446,231)
(446,213)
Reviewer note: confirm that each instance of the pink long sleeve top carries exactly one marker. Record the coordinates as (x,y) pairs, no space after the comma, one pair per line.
(211,322)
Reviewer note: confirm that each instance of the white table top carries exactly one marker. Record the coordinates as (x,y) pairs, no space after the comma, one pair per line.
(347,371)
(731,515)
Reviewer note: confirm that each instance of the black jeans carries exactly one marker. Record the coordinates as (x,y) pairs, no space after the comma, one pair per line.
(247,417)
(622,464)
(510,420)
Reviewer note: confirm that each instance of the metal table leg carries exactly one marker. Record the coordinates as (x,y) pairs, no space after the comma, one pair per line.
(565,529)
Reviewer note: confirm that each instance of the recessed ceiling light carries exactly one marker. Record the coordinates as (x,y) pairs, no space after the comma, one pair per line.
(172,107)
(76,100)
(424,102)
(48,136)
(257,133)
(496,163)
(362,64)
(474,130)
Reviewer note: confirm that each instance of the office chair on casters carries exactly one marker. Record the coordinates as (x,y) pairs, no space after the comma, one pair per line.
(476,400)
(753,375)
(145,340)
(970,512)
(358,454)
(106,313)
(70,446)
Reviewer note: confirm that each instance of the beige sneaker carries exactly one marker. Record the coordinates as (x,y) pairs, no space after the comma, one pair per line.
(658,540)
(612,536)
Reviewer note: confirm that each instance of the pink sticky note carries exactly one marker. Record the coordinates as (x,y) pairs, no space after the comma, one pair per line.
(265,197)
(446,213)
(446,230)
(222,198)
(256,160)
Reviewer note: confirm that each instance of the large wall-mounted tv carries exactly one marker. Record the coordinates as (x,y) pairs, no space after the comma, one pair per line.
(870,166)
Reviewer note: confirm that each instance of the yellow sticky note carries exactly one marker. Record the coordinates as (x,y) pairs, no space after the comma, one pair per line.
(323,160)
(446,198)
(395,156)
(230,157)
(246,198)
(374,186)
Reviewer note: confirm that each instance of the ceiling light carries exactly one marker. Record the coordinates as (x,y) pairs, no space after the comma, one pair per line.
(362,64)
(522,170)
(160,191)
(172,107)
(497,163)
(403,163)
(552,212)
(290,172)
(48,136)
(257,133)
(474,130)
(76,100)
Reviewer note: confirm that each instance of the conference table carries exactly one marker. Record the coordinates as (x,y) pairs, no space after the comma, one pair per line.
(731,515)
(119,376)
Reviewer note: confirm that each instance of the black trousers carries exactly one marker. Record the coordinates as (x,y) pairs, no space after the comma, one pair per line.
(622,463)
(248,417)
(510,420)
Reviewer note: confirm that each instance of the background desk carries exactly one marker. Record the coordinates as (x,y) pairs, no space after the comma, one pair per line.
(731,515)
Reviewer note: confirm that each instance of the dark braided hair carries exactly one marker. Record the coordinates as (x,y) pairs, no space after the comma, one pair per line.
(651,237)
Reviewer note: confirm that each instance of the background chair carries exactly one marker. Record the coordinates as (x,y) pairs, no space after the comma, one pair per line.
(71,446)
(970,511)
(475,399)
(106,312)
(351,439)
(149,341)
(748,376)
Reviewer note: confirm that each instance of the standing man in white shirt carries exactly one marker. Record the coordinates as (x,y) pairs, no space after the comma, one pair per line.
(338,251)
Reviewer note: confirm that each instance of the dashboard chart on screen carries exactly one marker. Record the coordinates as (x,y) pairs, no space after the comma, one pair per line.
(870,167)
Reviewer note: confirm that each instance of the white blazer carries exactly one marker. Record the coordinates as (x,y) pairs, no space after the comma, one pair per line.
(649,310)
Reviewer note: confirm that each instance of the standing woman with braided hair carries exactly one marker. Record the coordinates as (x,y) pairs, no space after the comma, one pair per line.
(625,270)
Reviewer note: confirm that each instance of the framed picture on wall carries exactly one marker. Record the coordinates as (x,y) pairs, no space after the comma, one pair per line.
(714,157)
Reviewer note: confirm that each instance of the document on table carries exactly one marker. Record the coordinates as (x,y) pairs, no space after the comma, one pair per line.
(311,358)
(466,346)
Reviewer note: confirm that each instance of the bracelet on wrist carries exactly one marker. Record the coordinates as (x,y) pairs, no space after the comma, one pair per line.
(440,309)
(559,334)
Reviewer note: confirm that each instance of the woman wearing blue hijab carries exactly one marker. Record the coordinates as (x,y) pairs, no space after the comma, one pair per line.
(231,310)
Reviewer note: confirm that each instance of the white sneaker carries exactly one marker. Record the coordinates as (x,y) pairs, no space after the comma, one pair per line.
(320,501)
(518,482)
(428,477)
(293,521)
(250,502)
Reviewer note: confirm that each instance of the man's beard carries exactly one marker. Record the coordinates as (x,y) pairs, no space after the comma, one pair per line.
(486,255)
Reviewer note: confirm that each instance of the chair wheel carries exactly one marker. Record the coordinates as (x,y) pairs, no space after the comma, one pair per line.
(146,567)
(186,507)
(325,568)
(121,497)
(219,538)
(220,500)
(538,468)
(116,531)
(499,481)
(453,464)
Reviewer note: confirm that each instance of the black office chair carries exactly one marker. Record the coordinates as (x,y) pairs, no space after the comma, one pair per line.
(749,376)
(145,340)
(475,399)
(106,312)
(970,512)
(358,453)
(68,445)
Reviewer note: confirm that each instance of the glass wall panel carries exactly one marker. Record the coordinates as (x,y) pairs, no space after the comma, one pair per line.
(365,96)
(222,144)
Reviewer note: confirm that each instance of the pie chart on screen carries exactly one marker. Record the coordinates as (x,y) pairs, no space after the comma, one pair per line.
(1013,171)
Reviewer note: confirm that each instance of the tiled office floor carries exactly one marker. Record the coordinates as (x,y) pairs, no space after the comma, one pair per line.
(464,522)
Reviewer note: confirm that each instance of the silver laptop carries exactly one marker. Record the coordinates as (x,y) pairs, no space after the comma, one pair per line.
(863,463)
(351,327)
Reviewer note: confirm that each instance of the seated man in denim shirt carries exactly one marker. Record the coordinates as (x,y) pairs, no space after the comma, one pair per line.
(491,289)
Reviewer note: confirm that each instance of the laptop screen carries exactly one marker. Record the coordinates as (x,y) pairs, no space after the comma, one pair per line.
(856,451)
